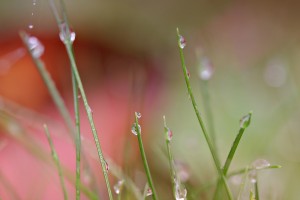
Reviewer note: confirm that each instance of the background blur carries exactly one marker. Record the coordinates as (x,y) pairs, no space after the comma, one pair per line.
(129,50)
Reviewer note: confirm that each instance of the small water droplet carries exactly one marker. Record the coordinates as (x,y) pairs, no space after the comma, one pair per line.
(138,115)
(245,121)
(253,176)
(90,110)
(182,42)
(260,164)
(106,166)
(188,73)
(118,186)
(206,69)
(30,26)
(35,46)
(133,129)
(170,134)
(149,192)
(66,34)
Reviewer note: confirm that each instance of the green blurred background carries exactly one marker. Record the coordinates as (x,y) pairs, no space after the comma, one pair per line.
(254,50)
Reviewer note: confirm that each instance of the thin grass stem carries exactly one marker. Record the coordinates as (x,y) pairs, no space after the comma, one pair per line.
(143,155)
(57,162)
(69,49)
(77,138)
(201,123)
(170,156)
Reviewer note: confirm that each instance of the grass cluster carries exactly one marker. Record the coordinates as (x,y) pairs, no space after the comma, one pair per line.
(222,189)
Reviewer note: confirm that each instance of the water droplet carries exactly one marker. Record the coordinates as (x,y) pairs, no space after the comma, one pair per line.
(206,69)
(188,73)
(118,186)
(133,129)
(245,121)
(170,134)
(149,192)
(182,42)
(35,46)
(90,110)
(66,34)
(253,176)
(180,191)
(30,26)
(260,164)
(138,115)
(106,165)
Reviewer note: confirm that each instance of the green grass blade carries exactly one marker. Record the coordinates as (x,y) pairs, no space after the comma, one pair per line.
(57,162)
(256,190)
(201,123)
(144,158)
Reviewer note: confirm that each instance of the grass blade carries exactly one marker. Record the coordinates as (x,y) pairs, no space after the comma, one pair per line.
(144,158)
(57,162)
(201,123)
(69,48)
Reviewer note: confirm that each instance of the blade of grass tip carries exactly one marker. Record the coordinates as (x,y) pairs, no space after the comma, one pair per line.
(67,38)
(57,162)
(78,140)
(137,131)
(181,45)
(168,135)
(244,123)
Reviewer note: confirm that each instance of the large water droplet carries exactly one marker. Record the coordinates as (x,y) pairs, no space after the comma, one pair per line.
(133,129)
(138,115)
(245,121)
(206,69)
(182,42)
(118,186)
(260,164)
(35,46)
(66,35)
(180,191)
